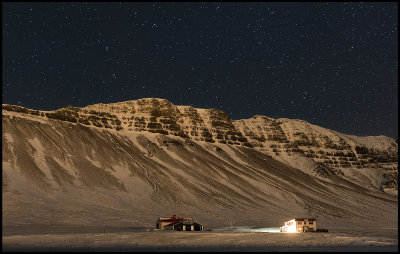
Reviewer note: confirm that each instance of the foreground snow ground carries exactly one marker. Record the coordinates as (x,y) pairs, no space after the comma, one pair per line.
(140,239)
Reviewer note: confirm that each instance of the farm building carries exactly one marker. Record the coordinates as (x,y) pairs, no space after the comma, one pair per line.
(179,224)
(299,225)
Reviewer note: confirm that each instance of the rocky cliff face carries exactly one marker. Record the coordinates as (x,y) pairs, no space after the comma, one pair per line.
(329,149)
(195,157)
(279,138)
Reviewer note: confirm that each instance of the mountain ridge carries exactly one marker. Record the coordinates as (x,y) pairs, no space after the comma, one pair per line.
(103,159)
(212,125)
(161,99)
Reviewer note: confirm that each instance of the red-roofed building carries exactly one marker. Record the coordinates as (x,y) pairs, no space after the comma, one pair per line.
(179,224)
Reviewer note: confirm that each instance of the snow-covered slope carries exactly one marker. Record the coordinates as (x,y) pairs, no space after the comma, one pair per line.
(130,162)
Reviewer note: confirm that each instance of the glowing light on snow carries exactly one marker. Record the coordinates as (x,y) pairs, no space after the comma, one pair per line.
(272,230)
(291,226)
(253,229)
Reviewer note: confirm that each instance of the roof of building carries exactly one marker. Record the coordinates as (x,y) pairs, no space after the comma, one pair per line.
(303,219)
(172,219)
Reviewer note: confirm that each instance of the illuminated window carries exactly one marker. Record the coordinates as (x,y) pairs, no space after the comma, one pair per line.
(310,222)
(299,222)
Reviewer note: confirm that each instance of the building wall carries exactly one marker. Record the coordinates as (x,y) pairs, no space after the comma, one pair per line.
(185,227)
(163,224)
(312,226)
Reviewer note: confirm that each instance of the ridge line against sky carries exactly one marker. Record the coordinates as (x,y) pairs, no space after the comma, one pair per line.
(217,109)
(330,64)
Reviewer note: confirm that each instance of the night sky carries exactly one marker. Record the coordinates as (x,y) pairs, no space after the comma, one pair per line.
(331,64)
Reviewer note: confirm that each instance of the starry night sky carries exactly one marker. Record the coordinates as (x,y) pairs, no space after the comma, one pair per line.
(331,64)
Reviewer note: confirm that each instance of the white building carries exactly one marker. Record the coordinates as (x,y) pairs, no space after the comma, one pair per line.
(300,225)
